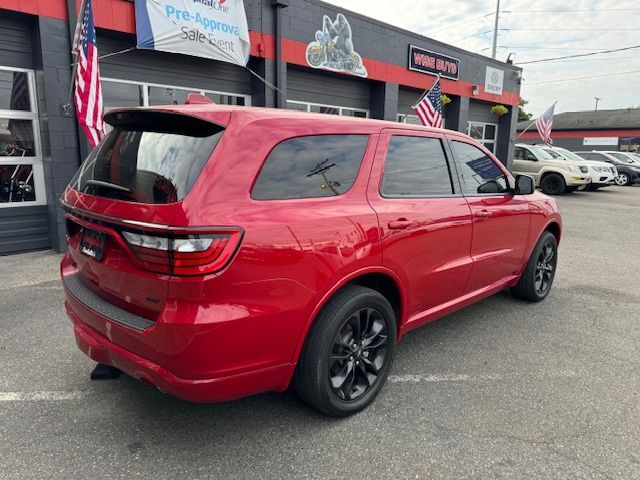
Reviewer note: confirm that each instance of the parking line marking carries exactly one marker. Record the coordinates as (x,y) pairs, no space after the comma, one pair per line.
(461,377)
(41,396)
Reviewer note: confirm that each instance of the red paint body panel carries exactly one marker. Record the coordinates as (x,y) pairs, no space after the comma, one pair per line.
(240,331)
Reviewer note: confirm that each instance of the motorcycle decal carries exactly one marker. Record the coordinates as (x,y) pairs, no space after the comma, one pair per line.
(333,48)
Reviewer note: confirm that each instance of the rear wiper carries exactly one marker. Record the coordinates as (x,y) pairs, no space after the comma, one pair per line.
(113,186)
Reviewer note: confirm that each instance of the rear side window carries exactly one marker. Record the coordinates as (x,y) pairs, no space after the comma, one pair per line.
(416,166)
(311,167)
(478,173)
(148,157)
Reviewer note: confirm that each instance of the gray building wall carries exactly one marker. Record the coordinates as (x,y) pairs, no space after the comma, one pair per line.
(22,228)
(43,44)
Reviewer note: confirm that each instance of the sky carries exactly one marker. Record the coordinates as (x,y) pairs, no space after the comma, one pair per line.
(536,30)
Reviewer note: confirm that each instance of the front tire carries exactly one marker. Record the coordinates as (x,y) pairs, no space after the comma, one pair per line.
(623,179)
(536,280)
(348,352)
(553,184)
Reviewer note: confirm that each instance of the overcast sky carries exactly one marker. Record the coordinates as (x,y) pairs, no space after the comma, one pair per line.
(602,25)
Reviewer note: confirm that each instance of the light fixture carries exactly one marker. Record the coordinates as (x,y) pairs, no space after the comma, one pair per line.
(510,58)
(475,90)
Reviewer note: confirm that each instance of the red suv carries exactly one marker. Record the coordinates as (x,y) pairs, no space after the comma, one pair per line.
(217,252)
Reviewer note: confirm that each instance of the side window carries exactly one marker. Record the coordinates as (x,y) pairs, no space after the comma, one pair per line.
(416,166)
(478,173)
(311,167)
(518,153)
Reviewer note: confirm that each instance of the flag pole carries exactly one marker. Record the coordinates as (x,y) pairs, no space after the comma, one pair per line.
(67,107)
(531,124)
(426,92)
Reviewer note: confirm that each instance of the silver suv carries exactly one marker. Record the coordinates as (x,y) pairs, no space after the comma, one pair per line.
(553,176)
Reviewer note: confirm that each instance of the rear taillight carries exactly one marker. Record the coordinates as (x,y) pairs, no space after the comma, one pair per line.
(183,254)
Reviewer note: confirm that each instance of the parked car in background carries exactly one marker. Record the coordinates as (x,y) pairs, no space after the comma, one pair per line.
(220,251)
(602,173)
(628,170)
(552,175)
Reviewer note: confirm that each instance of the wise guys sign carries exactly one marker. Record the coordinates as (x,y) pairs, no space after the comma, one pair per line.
(424,61)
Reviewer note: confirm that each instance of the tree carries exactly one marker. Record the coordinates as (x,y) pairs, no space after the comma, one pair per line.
(522,115)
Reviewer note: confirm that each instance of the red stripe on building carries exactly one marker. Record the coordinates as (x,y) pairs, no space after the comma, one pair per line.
(46,8)
(119,15)
(584,133)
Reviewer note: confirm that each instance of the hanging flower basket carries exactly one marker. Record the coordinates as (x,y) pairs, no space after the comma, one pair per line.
(499,110)
(445,100)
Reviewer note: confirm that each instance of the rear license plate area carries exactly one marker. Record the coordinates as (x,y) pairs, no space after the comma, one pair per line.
(92,243)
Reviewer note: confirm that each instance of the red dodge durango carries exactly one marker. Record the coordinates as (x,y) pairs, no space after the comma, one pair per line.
(217,251)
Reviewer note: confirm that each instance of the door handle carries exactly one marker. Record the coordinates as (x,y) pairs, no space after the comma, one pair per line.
(400,224)
(482,214)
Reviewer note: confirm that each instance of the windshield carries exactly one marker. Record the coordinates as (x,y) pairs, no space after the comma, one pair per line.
(574,157)
(554,154)
(540,152)
(622,157)
(149,159)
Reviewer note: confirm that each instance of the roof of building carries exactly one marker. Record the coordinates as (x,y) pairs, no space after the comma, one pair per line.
(626,118)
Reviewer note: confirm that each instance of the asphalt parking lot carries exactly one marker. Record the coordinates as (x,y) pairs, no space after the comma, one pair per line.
(502,389)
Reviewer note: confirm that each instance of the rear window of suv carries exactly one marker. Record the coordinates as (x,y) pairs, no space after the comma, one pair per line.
(311,167)
(148,157)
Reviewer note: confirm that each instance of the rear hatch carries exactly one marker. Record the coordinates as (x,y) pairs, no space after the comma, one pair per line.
(121,203)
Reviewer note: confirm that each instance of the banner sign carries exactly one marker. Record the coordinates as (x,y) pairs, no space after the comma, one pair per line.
(333,48)
(424,61)
(215,29)
(494,81)
(597,141)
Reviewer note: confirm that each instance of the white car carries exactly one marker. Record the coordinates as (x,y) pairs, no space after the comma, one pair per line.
(602,173)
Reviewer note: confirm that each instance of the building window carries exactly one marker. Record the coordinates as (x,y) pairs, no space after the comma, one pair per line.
(124,93)
(484,133)
(21,172)
(327,109)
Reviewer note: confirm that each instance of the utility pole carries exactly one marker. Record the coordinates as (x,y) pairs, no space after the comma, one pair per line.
(597,100)
(495,31)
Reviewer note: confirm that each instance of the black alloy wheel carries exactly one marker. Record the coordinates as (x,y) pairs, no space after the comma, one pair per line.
(359,351)
(553,184)
(545,268)
(536,280)
(348,352)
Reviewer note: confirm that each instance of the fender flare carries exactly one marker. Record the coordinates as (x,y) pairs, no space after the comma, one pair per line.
(335,288)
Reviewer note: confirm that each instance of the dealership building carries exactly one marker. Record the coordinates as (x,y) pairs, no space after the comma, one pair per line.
(383,74)
(591,130)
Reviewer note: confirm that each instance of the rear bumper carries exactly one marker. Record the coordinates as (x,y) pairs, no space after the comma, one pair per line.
(211,390)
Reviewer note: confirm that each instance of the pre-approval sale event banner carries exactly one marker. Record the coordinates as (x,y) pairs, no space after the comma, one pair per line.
(203,28)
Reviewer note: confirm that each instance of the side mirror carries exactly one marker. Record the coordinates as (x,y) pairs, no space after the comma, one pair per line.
(525,185)
(531,157)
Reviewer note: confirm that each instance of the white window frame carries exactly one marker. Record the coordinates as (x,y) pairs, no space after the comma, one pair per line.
(338,107)
(484,130)
(402,118)
(34,161)
(146,85)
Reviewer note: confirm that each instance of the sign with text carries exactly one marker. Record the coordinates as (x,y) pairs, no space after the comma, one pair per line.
(432,63)
(215,29)
(595,141)
(494,81)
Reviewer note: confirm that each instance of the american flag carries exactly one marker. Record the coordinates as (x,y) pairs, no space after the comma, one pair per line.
(429,108)
(88,93)
(544,124)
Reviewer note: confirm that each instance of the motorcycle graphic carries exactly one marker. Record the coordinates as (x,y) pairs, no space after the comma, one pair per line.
(333,49)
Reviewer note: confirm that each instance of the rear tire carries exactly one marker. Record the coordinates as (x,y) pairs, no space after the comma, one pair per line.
(348,352)
(536,280)
(553,184)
